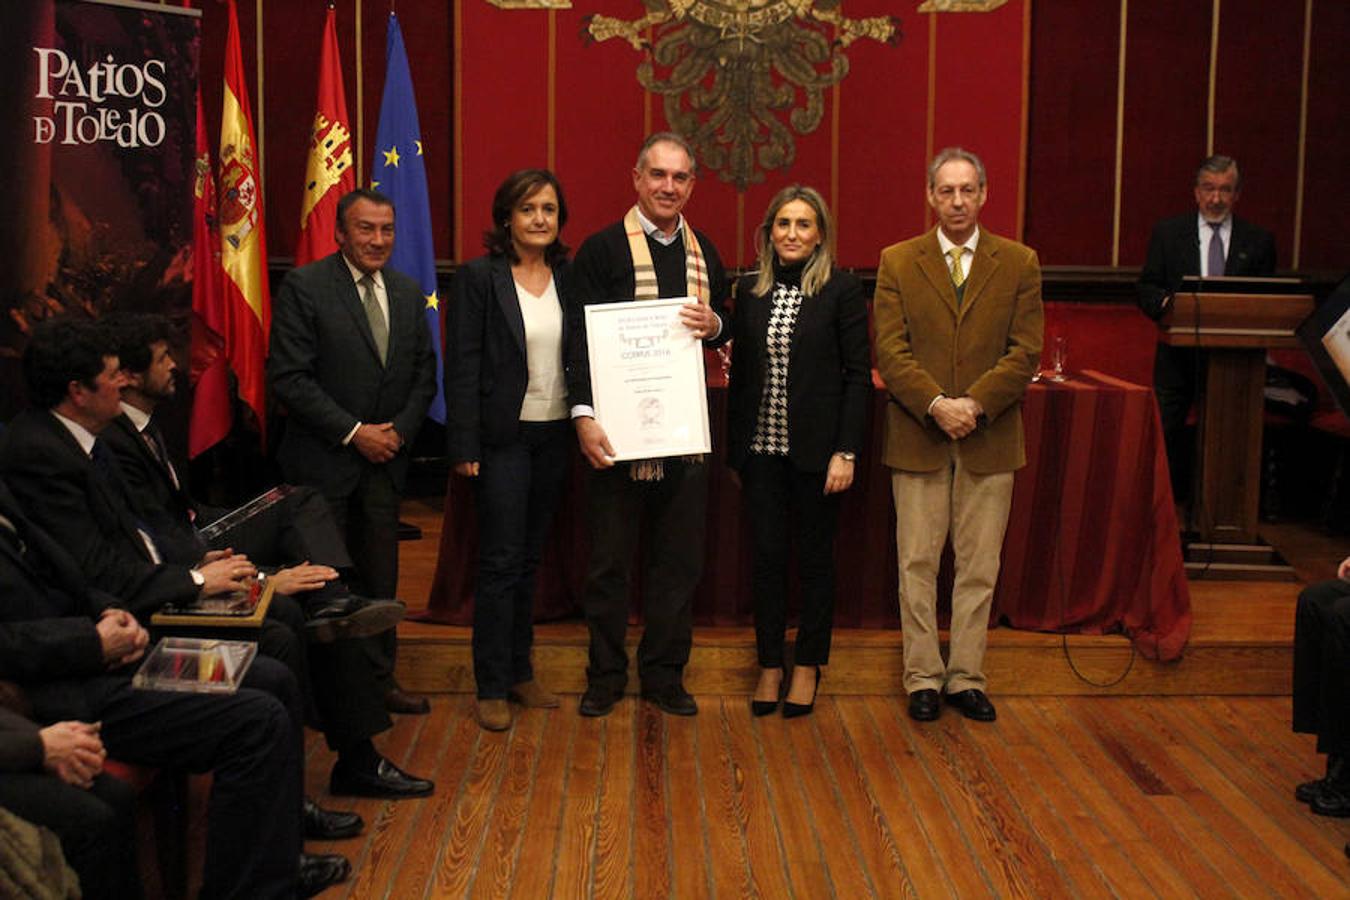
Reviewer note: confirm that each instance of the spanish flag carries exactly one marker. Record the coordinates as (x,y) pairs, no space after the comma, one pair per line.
(243,243)
(329,173)
(212,409)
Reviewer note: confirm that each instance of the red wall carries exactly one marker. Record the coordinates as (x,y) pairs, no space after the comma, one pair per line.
(883,113)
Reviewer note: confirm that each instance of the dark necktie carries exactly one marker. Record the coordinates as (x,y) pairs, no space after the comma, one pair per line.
(1215,250)
(155,441)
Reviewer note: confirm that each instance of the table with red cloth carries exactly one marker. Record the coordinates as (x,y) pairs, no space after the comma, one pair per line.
(1092,544)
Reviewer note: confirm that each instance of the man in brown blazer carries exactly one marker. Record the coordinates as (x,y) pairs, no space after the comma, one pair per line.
(959,322)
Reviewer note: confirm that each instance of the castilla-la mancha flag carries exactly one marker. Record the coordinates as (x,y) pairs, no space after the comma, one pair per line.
(243,243)
(328,174)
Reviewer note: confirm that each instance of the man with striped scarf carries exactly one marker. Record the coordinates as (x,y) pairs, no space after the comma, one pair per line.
(651,253)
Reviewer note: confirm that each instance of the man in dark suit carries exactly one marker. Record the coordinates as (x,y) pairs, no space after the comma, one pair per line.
(70,483)
(71,651)
(298,533)
(1322,688)
(54,777)
(351,358)
(1209,244)
(958,324)
(671,495)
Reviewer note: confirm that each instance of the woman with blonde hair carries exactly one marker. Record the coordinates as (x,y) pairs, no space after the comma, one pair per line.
(797,413)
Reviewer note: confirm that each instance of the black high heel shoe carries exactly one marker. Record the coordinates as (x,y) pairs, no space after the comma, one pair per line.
(765,707)
(793,710)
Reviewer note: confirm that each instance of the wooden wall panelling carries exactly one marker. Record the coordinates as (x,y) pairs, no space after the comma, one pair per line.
(1258,80)
(978,100)
(882,151)
(1072,133)
(1166,97)
(1326,222)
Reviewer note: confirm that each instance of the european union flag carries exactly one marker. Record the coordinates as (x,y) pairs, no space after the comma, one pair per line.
(400,174)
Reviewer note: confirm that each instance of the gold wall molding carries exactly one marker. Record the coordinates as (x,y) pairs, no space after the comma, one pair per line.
(739,77)
(954,6)
(531,4)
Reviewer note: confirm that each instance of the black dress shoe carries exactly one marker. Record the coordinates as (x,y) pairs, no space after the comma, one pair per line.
(329,824)
(401,702)
(320,871)
(924,705)
(1310,790)
(672,699)
(343,618)
(794,710)
(973,705)
(597,701)
(1334,800)
(383,779)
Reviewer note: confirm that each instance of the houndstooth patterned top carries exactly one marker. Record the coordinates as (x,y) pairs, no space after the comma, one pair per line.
(771,426)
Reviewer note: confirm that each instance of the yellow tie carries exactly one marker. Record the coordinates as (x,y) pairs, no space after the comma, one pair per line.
(958,276)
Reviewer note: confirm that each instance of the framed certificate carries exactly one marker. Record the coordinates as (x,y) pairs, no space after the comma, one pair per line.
(647,381)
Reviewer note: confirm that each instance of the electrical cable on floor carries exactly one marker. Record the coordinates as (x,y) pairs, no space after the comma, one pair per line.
(1063,598)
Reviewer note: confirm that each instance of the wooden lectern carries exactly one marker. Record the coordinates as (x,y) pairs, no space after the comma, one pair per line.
(1234,330)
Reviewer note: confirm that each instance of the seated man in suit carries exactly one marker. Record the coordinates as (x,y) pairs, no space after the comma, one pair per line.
(71,485)
(54,777)
(292,532)
(1322,688)
(72,653)
(1209,244)
(296,534)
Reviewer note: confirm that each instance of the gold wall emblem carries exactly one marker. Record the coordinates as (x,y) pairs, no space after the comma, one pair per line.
(959,5)
(531,4)
(732,71)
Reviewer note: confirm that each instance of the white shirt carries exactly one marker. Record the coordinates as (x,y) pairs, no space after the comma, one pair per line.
(650,229)
(1205,235)
(546,391)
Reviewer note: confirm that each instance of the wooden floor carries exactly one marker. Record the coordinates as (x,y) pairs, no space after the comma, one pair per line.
(1076,796)
(1125,796)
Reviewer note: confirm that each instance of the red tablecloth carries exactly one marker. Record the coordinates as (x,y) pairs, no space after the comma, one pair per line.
(1092,544)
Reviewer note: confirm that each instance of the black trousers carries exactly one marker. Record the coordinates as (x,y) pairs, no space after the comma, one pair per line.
(368,520)
(252,743)
(297,528)
(1322,665)
(1175,380)
(97,827)
(517,491)
(787,506)
(340,693)
(672,511)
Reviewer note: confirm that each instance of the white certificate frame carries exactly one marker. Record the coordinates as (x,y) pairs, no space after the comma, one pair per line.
(648,385)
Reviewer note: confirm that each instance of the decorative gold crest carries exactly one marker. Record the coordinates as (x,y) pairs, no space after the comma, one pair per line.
(960,5)
(728,70)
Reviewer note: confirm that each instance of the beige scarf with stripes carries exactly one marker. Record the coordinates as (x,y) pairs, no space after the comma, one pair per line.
(646,288)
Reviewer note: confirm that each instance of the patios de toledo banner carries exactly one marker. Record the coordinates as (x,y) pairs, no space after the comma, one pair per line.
(96,166)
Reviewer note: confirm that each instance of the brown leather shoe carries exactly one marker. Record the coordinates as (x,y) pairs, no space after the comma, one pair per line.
(494,715)
(532,695)
(400,701)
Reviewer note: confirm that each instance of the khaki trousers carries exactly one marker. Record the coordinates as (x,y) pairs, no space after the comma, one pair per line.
(974,508)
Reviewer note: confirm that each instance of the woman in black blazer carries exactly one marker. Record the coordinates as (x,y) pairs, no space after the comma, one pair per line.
(507,424)
(797,410)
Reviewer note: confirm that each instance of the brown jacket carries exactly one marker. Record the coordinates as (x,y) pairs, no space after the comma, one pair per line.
(988,348)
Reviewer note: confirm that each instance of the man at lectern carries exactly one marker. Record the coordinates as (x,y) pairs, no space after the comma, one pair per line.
(1210,244)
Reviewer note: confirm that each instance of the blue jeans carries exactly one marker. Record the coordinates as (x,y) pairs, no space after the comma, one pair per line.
(517,491)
